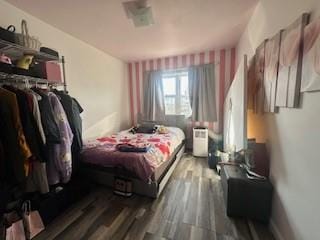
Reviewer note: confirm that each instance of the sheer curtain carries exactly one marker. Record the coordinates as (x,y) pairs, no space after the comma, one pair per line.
(202,93)
(154,106)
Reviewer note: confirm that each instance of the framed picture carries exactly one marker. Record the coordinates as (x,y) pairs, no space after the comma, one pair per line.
(290,64)
(272,51)
(311,58)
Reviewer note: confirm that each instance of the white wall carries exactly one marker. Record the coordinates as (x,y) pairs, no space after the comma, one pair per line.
(292,135)
(96,79)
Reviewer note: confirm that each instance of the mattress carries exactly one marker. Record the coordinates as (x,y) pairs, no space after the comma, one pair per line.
(150,166)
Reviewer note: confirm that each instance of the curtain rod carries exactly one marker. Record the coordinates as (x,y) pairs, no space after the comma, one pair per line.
(185,68)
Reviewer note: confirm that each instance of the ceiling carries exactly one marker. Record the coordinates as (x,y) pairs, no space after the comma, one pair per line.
(181,26)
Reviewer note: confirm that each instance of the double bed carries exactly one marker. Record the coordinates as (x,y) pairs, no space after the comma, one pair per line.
(148,171)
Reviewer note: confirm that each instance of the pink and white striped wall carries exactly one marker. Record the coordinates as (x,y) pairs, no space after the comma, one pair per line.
(224,60)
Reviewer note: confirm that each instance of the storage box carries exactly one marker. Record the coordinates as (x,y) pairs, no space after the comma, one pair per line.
(48,70)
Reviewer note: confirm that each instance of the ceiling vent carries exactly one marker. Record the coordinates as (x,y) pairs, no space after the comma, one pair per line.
(139,12)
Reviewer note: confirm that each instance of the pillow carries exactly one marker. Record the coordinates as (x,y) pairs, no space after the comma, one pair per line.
(162,130)
(144,128)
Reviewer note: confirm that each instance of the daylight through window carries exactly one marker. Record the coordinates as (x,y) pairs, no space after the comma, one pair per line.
(176,92)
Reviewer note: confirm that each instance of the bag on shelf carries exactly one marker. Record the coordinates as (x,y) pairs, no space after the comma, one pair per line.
(49,51)
(8,34)
(14,229)
(32,221)
(24,39)
(5,64)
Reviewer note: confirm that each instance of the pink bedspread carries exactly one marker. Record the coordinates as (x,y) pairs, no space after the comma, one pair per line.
(103,151)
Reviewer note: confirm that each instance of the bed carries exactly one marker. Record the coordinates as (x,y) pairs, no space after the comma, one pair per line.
(148,171)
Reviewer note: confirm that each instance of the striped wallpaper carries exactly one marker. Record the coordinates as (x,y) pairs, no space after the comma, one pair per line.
(224,60)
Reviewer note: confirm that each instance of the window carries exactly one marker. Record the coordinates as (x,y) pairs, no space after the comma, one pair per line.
(176,93)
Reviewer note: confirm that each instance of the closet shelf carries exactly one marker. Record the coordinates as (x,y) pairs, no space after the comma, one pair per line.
(15,51)
(6,77)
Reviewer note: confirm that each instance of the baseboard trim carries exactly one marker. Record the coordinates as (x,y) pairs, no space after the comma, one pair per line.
(275,231)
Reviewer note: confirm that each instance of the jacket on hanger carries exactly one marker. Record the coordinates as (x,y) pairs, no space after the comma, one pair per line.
(33,99)
(73,110)
(29,125)
(14,170)
(10,99)
(50,127)
(60,166)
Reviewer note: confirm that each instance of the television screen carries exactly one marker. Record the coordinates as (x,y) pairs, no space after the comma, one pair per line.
(235,111)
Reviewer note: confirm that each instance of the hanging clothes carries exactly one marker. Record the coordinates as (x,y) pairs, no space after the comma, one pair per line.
(33,99)
(37,177)
(50,127)
(13,115)
(59,167)
(2,163)
(39,130)
(73,110)
(29,126)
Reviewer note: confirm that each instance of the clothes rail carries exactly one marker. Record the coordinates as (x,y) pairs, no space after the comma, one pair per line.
(15,79)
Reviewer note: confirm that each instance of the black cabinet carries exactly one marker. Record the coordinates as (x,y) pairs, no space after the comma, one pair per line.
(246,197)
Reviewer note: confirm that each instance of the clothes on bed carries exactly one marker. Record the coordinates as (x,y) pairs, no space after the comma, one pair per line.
(36,139)
(103,151)
(125,147)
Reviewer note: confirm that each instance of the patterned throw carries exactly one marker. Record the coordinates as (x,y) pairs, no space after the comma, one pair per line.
(103,151)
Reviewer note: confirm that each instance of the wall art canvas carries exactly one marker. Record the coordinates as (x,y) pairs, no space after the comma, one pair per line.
(290,64)
(311,60)
(272,50)
(259,79)
(251,77)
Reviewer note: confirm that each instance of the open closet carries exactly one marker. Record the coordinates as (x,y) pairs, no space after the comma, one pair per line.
(40,135)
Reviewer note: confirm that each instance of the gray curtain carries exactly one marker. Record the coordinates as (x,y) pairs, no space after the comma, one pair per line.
(154,107)
(202,93)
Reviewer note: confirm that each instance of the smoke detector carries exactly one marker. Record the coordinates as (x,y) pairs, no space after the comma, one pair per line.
(139,12)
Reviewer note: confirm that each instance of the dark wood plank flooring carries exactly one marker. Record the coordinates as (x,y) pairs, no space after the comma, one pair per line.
(190,207)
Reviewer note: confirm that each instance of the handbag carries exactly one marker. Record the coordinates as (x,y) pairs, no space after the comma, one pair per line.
(24,39)
(14,229)
(32,221)
(8,34)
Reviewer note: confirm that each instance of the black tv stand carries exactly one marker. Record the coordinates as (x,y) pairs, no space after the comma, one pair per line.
(246,197)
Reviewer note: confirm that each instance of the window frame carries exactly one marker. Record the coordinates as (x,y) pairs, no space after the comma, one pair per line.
(177,74)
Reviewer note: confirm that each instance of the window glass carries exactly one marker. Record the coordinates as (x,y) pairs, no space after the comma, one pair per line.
(169,86)
(176,91)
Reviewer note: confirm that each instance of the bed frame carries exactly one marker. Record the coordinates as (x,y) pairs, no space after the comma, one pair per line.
(140,187)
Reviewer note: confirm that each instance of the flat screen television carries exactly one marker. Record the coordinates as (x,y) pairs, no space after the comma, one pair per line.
(235,111)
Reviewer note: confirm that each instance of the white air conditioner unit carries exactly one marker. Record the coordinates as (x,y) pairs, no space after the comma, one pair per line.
(200,142)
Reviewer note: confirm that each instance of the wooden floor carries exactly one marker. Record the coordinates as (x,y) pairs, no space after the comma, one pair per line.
(190,207)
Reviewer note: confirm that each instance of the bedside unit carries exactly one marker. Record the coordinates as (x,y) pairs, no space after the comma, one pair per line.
(246,197)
